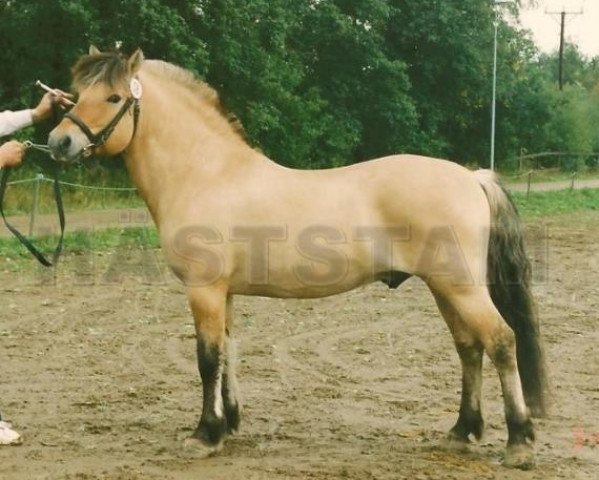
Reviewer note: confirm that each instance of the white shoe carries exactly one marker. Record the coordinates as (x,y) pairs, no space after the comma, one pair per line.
(8,436)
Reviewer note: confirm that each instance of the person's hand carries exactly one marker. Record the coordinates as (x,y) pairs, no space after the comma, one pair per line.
(11,153)
(44,108)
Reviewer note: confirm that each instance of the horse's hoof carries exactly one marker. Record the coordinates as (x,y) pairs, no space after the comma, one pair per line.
(199,449)
(455,443)
(521,456)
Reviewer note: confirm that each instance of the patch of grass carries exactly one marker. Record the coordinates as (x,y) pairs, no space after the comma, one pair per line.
(556,202)
(549,175)
(19,198)
(100,176)
(85,241)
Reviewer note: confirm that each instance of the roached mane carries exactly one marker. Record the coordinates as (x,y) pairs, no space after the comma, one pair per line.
(112,69)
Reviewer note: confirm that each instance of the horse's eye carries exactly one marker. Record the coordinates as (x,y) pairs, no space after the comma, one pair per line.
(114,98)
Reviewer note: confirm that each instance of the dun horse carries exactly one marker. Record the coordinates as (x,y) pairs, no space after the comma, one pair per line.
(232,222)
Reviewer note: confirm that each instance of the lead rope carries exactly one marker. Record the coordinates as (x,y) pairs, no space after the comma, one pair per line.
(37,146)
(57,198)
(22,238)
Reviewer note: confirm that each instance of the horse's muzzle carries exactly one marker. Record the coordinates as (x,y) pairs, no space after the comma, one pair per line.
(65,147)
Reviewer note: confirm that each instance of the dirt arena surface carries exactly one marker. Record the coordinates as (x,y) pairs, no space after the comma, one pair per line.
(99,375)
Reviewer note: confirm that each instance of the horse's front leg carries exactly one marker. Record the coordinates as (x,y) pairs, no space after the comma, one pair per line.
(208,305)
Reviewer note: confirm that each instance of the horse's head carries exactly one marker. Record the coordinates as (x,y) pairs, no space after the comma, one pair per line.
(104,119)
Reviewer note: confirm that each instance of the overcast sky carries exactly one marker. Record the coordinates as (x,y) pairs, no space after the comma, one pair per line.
(582,30)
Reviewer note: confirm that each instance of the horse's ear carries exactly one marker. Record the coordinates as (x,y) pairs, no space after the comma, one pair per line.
(93,50)
(135,61)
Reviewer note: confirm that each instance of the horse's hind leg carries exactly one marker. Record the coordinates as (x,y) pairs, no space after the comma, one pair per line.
(470,419)
(230,389)
(208,306)
(481,319)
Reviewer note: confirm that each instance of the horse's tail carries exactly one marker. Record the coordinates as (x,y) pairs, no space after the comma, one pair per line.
(509,277)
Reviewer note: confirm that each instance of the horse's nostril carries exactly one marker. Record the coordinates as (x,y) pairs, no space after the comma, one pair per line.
(65,143)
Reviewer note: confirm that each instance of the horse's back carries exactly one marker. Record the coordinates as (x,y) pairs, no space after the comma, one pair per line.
(422,188)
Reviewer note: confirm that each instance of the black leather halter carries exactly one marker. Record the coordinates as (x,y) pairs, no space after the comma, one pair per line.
(98,139)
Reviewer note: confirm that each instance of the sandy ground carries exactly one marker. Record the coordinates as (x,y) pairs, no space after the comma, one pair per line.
(99,375)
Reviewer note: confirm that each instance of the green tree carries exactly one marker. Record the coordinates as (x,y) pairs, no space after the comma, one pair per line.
(163,29)
(342,46)
(259,76)
(322,83)
(310,80)
(40,40)
(447,47)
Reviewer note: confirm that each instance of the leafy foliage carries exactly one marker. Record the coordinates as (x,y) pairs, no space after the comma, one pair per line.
(320,83)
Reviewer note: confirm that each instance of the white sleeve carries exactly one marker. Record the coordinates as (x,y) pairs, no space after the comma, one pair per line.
(12,121)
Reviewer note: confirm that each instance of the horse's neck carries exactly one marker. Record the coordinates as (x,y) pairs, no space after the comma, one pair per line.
(174,150)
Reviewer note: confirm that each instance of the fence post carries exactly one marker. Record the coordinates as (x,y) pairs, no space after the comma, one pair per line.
(528,183)
(35,201)
(573,177)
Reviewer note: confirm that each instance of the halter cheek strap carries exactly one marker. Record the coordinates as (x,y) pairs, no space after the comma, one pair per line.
(100,138)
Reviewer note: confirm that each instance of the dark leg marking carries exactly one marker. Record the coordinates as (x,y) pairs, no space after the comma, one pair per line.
(232,411)
(211,428)
(470,420)
(520,426)
(519,432)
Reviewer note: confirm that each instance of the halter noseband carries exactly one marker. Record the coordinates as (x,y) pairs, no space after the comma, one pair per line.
(100,138)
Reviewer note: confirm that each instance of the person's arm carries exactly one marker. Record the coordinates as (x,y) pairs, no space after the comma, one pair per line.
(12,121)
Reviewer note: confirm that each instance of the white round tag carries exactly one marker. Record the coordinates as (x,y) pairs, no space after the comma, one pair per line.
(135,87)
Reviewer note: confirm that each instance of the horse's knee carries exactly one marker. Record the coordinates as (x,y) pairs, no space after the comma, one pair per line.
(501,347)
(470,353)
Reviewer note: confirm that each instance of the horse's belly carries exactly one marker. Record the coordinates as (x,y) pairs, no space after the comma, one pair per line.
(296,284)
(316,262)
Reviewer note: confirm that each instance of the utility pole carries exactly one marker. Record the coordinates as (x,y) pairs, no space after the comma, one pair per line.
(562,15)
